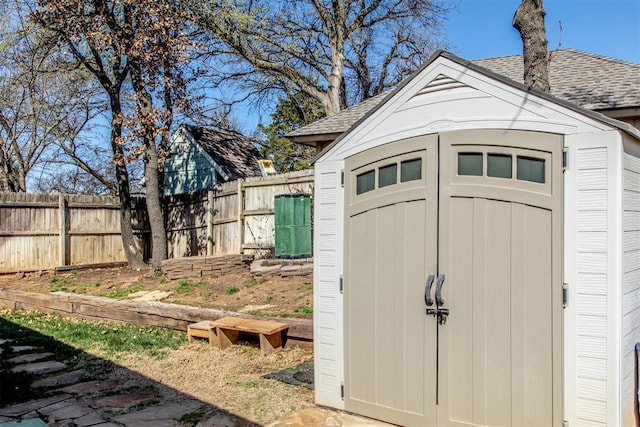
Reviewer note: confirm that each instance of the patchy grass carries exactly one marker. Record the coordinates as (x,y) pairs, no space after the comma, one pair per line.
(46,330)
(121,293)
(232,290)
(186,286)
(304,309)
(253,282)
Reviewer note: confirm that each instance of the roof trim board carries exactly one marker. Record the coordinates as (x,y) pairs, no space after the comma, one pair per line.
(471,74)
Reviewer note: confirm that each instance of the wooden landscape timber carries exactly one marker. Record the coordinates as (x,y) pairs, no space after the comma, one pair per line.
(174,316)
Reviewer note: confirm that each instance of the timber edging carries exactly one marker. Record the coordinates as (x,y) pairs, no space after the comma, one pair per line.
(174,316)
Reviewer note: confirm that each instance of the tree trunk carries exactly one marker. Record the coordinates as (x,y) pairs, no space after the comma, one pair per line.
(154,206)
(134,256)
(152,174)
(529,21)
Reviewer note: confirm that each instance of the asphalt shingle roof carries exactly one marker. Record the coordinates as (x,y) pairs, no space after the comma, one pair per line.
(342,121)
(589,81)
(232,151)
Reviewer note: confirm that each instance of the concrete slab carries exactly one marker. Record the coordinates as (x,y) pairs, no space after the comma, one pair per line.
(40,368)
(66,378)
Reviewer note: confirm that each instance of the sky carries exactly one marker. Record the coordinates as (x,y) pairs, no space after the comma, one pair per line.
(482,28)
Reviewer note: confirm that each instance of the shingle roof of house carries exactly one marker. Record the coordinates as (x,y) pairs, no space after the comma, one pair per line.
(586,80)
(342,121)
(589,81)
(232,151)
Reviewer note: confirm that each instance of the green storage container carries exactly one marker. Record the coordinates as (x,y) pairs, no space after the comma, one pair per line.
(293,225)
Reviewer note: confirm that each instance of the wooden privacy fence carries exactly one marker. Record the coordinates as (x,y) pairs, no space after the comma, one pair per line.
(237,217)
(46,231)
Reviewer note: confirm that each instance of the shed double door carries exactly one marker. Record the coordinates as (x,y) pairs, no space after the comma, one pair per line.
(453,294)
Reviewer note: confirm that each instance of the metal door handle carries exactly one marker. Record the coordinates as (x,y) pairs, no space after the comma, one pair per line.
(439,282)
(427,291)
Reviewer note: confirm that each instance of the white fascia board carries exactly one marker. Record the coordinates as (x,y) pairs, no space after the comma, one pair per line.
(553,117)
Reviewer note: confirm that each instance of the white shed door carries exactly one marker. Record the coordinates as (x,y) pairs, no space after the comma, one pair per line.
(480,216)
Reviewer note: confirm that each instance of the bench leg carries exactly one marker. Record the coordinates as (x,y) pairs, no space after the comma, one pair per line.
(268,343)
(189,337)
(226,337)
(213,338)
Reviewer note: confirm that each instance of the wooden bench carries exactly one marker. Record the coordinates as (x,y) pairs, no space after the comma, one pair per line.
(227,329)
(204,329)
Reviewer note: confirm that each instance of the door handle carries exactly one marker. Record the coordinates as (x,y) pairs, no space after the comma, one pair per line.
(439,283)
(427,291)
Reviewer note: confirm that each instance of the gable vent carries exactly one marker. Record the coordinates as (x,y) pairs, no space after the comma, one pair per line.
(440,84)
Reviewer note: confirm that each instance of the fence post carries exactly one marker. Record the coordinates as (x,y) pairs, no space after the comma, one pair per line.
(62,226)
(240,214)
(210,214)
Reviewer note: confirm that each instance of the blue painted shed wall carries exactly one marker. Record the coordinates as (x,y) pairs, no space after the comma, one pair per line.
(187,169)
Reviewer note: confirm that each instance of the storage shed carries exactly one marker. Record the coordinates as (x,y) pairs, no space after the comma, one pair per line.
(477,256)
(201,157)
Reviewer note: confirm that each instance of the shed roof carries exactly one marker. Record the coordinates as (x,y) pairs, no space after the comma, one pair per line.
(233,152)
(585,80)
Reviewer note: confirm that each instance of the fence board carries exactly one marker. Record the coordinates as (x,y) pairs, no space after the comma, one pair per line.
(234,217)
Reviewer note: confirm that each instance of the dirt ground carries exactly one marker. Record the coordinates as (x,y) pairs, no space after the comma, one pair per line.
(273,296)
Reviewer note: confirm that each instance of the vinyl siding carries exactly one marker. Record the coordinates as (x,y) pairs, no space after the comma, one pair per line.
(591,310)
(630,281)
(328,334)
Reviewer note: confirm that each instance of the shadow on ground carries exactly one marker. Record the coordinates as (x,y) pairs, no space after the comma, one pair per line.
(41,378)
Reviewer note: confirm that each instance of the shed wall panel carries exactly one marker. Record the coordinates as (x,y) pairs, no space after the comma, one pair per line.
(631,280)
(592,271)
(327,298)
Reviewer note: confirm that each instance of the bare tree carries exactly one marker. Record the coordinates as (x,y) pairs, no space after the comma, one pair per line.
(318,46)
(91,44)
(144,44)
(529,21)
(41,95)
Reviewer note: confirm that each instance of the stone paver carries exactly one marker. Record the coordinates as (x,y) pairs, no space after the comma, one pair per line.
(63,379)
(28,358)
(321,417)
(22,348)
(165,415)
(65,410)
(90,419)
(127,400)
(34,422)
(40,368)
(89,387)
(20,409)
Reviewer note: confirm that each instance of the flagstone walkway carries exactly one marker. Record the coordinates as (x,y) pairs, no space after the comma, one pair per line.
(74,399)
